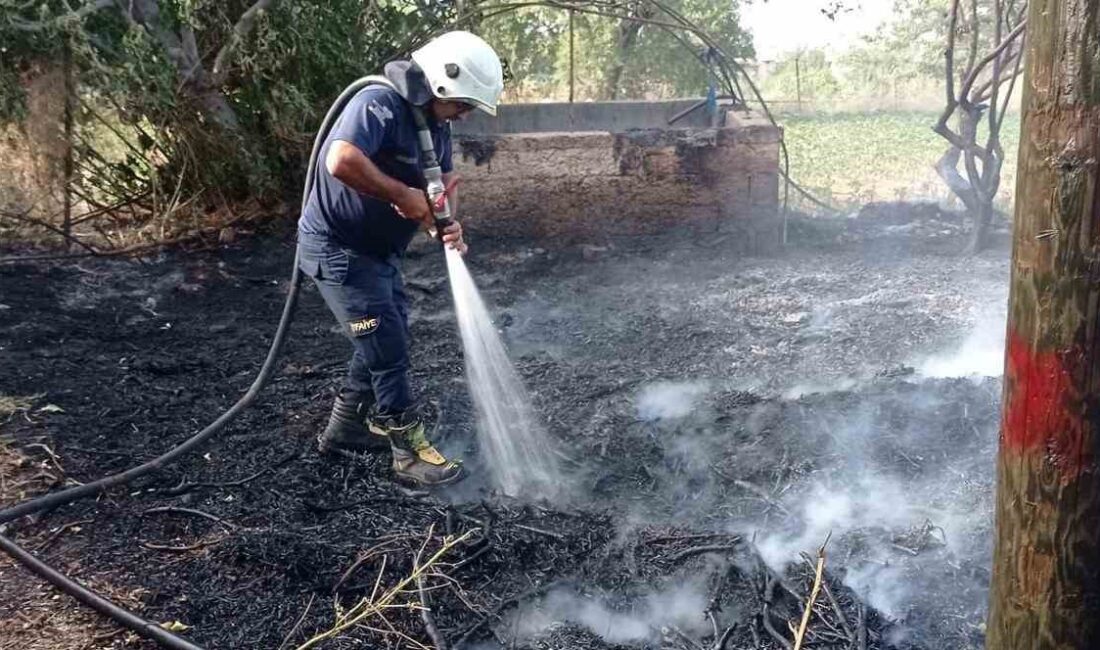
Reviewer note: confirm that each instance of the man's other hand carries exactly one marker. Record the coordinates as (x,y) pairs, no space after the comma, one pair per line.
(413,204)
(452,237)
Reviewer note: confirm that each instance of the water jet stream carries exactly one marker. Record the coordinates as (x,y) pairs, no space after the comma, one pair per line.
(513,441)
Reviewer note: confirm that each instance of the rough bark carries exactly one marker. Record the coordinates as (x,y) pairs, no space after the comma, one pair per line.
(628,36)
(1046,569)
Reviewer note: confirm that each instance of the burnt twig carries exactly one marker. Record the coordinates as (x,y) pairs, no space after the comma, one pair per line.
(532,529)
(426,615)
(720,644)
(504,604)
(182,549)
(193,512)
(61,531)
(765,618)
(185,486)
(294,630)
(758,491)
(698,550)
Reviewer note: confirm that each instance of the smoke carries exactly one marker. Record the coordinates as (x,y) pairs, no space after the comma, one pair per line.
(981,353)
(902,483)
(870,502)
(681,605)
(668,400)
(883,585)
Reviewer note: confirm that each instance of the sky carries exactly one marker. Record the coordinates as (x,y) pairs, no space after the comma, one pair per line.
(780,26)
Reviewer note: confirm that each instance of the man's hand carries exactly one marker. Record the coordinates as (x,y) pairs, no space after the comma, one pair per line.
(452,237)
(413,204)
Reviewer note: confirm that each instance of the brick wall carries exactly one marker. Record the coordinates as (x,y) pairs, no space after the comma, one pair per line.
(591,186)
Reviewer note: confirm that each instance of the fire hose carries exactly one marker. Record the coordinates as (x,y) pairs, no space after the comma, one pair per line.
(437,197)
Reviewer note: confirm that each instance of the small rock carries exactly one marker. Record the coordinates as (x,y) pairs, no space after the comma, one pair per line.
(591,252)
(189,287)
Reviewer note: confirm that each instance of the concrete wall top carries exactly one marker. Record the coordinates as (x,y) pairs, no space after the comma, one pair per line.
(616,117)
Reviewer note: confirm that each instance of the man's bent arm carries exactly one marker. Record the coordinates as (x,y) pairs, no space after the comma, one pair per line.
(353,168)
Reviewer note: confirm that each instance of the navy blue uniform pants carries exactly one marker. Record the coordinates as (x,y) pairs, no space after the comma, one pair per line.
(367,296)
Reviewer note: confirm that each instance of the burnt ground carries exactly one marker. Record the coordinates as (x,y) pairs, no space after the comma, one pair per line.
(718,416)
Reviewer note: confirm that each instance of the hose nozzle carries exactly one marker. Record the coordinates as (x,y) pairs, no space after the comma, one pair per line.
(438,198)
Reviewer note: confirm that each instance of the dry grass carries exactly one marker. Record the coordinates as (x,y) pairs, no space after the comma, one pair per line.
(36,617)
(33,616)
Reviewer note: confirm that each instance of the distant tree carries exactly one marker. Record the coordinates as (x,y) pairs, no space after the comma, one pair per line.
(619,55)
(979,80)
(808,73)
(907,49)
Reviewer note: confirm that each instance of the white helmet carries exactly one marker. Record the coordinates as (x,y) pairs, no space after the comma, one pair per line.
(462,66)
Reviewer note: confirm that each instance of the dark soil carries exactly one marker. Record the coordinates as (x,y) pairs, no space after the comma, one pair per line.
(719,415)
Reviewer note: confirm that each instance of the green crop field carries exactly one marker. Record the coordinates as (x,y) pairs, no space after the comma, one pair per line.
(849,159)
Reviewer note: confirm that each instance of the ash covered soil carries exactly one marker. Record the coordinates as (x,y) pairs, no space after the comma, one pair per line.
(718,417)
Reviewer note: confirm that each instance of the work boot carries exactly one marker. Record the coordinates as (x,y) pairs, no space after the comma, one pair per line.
(347,433)
(414,457)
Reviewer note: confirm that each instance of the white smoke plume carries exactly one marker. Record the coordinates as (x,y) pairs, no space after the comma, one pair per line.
(981,354)
(682,606)
(665,400)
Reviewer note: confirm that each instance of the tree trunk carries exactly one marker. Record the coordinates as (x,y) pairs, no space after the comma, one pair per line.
(1045,592)
(628,36)
(979,236)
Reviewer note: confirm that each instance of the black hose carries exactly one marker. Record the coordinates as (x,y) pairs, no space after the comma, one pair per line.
(128,619)
(95,601)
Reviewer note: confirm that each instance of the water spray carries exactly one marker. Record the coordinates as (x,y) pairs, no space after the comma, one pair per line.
(512,440)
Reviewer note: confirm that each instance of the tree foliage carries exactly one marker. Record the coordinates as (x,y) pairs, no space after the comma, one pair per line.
(222,93)
(655,62)
(203,103)
(910,47)
(805,73)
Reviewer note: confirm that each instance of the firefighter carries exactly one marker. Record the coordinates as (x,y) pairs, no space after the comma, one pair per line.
(366,204)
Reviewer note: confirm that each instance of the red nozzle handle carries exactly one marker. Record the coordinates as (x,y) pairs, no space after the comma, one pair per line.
(438,205)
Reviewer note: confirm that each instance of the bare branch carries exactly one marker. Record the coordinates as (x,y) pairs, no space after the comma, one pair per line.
(240,31)
(983,92)
(975,32)
(1017,70)
(964,92)
(72,16)
(190,69)
(949,60)
(41,223)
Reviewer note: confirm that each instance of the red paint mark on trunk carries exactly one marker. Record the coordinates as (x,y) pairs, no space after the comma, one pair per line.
(1044,410)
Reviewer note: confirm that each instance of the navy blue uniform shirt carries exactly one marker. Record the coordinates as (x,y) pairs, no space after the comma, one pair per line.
(380,123)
